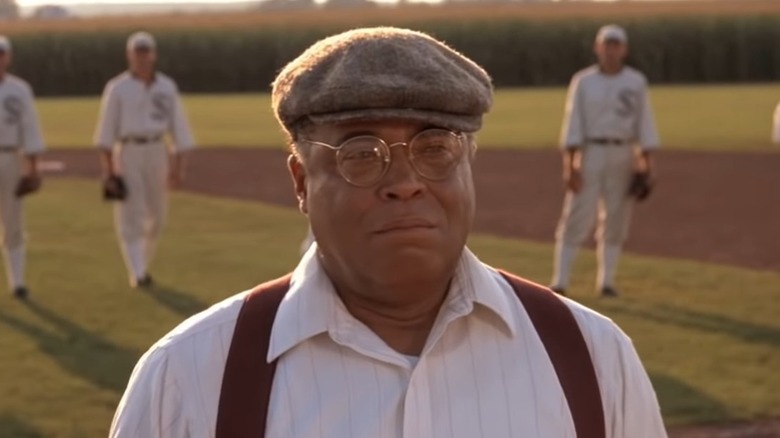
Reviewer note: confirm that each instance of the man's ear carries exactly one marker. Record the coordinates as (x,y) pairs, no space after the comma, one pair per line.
(472,142)
(298,175)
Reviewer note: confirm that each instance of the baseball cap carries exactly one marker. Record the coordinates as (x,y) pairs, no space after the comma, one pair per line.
(5,44)
(140,40)
(611,32)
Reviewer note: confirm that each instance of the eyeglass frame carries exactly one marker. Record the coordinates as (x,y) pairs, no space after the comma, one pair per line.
(387,158)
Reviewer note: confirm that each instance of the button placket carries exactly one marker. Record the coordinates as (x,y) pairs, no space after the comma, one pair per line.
(417,413)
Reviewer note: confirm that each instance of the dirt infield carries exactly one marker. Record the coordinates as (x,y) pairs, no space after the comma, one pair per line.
(714,207)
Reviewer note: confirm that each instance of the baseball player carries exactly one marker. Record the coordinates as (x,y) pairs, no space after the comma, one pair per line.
(607,137)
(139,107)
(20,134)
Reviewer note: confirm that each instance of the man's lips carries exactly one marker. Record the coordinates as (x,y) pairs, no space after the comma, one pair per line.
(405,224)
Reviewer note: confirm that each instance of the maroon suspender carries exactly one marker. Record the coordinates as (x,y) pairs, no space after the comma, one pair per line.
(246,385)
(568,353)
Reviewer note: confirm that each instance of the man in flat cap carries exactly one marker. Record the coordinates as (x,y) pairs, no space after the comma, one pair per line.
(20,136)
(389,326)
(139,108)
(607,138)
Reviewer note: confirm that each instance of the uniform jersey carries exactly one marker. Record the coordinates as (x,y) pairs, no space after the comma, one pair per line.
(615,107)
(19,126)
(131,108)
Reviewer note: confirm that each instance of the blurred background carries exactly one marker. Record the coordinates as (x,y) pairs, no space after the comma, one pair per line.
(701,283)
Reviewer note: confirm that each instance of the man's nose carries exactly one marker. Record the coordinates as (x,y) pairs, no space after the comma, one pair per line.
(401,182)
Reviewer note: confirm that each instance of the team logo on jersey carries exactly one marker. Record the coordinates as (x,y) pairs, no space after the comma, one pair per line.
(13,109)
(162,106)
(629,102)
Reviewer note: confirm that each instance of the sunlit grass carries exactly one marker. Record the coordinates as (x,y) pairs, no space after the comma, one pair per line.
(733,117)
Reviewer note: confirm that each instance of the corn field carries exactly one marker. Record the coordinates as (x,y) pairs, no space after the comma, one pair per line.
(534,44)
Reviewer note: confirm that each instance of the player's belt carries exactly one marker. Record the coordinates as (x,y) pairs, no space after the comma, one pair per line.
(607,141)
(137,139)
(8,148)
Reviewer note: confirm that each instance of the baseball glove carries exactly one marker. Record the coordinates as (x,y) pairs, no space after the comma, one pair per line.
(28,185)
(641,186)
(114,188)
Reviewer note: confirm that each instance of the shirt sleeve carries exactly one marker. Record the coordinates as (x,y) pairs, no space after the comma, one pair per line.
(107,132)
(572,133)
(631,408)
(179,126)
(31,136)
(641,413)
(152,406)
(648,134)
(776,126)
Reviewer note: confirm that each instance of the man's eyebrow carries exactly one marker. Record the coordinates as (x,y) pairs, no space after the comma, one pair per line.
(357,132)
(353,134)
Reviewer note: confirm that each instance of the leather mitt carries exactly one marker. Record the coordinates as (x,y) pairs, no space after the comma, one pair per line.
(641,186)
(114,188)
(28,185)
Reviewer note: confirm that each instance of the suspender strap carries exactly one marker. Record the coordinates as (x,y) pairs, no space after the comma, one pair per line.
(246,385)
(568,353)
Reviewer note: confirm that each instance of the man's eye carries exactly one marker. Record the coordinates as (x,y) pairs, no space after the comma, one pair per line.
(364,154)
(433,149)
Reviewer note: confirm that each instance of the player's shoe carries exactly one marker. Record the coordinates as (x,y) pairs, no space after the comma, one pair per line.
(144,282)
(21,292)
(609,292)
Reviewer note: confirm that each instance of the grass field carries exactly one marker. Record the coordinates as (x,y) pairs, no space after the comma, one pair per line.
(709,335)
(693,117)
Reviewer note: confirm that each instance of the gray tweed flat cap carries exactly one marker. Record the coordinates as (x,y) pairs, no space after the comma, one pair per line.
(382,73)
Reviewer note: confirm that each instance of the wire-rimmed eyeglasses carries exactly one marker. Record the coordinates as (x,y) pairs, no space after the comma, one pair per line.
(363,160)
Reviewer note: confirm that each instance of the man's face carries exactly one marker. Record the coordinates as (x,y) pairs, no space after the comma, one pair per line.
(142,58)
(5,60)
(404,228)
(611,53)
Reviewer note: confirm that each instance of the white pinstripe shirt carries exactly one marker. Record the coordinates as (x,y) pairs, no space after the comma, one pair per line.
(483,373)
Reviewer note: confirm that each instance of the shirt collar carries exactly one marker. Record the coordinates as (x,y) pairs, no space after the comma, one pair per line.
(312,306)
(478,283)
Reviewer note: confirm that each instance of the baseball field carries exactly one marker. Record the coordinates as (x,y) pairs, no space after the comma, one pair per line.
(700,282)
(702,314)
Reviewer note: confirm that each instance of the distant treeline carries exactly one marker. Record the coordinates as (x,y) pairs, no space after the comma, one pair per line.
(516,52)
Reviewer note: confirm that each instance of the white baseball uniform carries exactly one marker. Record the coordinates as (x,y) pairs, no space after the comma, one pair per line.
(20,133)
(608,117)
(776,126)
(134,118)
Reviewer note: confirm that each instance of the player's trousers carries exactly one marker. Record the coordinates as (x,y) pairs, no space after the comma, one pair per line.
(602,204)
(11,218)
(140,217)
